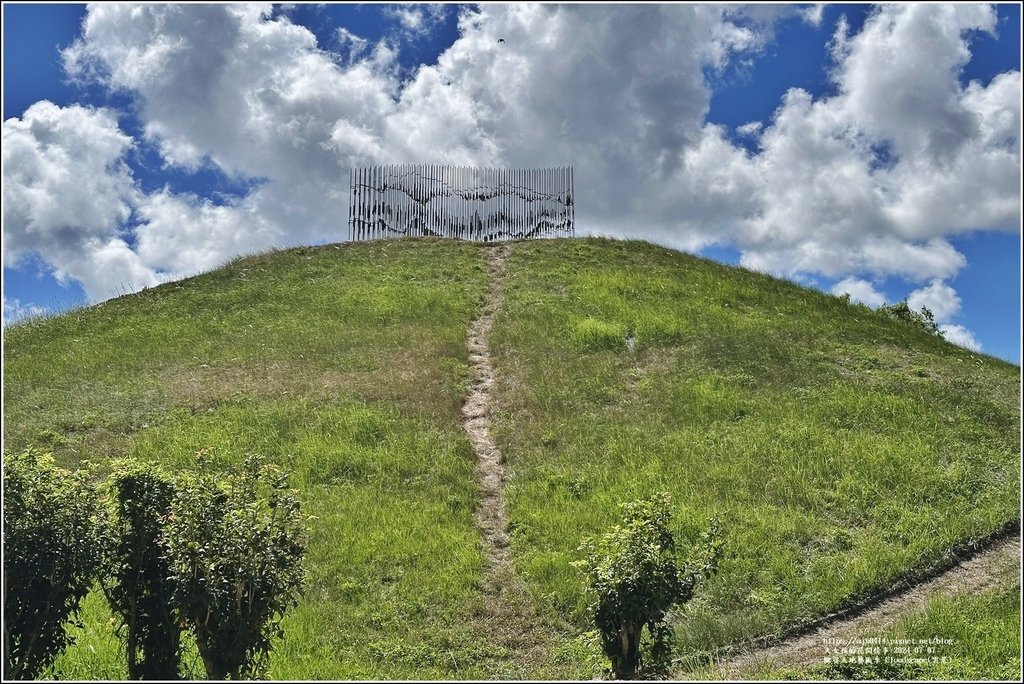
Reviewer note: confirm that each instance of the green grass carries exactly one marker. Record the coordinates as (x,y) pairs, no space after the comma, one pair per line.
(345,364)
(972,636)
(841,449)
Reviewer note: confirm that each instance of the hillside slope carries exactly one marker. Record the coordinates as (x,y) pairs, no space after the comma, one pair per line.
(841,450)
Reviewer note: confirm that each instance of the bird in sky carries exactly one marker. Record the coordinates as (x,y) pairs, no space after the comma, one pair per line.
(501,40)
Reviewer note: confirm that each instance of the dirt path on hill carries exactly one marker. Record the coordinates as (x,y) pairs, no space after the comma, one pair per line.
(509,617)
(476,418)
(984,570)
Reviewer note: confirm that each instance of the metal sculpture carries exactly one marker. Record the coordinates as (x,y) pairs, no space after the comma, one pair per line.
(461,202)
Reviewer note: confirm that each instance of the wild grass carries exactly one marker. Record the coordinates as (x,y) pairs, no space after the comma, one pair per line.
(843,451)
(346,364)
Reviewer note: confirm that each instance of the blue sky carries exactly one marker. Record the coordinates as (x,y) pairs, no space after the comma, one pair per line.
(418,86)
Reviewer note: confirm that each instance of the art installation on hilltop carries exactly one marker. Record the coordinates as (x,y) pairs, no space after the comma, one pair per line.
(461,202)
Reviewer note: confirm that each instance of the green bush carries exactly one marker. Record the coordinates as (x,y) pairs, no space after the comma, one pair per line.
(635,577)
(236,549)
(51,557)
(138,582)
(923,319)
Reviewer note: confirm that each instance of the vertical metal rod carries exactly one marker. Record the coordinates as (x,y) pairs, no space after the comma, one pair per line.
(572,207)
(506,200)
(565,200)
(463,185)
(563,207)
(543,203)
(514,200)
(549,204)
(362,203)
(522,176)
(526,206)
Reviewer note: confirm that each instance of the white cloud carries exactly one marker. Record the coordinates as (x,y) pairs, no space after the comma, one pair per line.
(813,14)
(820,196)
(860,291)
(939,298)
(417,21)
(354,45)
(944,303)
(960,336)
(750,129)
(66,192)
(618,91)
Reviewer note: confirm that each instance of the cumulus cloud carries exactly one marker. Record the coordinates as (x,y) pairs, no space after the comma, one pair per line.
(872,179)
(941,299)
(960,336)
(66,193)
(860,291)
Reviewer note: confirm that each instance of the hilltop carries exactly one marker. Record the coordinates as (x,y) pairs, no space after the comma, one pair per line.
(843,450)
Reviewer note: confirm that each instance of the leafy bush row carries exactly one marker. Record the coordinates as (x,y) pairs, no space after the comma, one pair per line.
(221,557)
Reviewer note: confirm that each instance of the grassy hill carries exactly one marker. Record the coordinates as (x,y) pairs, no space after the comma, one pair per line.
(841,450)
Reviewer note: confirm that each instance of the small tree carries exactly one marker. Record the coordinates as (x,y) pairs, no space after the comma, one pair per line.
(138,582)
(635,577)
(51,557)
(236,551)
(923,319)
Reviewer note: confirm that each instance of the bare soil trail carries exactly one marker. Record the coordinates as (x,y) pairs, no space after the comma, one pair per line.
(984,570)
(476,418)
(509,618)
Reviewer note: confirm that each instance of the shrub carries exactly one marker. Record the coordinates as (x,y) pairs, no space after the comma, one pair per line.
(236,551)
(923,319)
(50,558)
(138,582)
(635,577)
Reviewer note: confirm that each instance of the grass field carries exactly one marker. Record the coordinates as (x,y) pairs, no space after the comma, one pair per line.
(841,450)
(345,364)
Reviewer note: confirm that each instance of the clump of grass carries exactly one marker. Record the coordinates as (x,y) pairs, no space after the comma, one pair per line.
(591,334)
